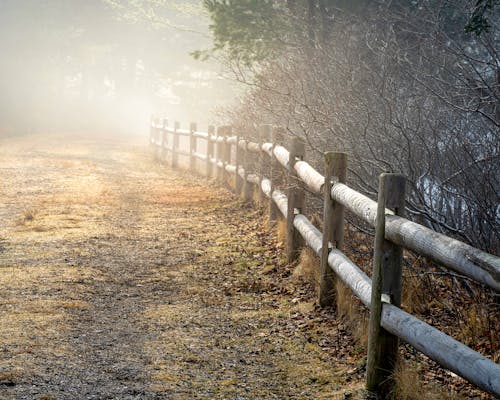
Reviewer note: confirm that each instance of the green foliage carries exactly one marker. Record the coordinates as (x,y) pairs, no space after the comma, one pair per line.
(249,30)
(479,21)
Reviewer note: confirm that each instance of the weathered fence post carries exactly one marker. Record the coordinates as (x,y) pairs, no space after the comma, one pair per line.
(210,151)
(175,146)
(227,152)
(158,130)
(164,141)
(192,147)
(296,199)
(247,186)
(386,287)
(153,136)
(218,153)
(264,132)
(238,181)
(276,135)
(151,131)
(333,224)
(224,173)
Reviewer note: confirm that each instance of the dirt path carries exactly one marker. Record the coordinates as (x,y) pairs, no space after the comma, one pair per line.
(120,279)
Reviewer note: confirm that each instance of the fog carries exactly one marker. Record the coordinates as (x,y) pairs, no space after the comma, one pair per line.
(104,66)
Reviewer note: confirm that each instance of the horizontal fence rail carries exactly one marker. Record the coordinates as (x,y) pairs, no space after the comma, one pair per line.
(388,321)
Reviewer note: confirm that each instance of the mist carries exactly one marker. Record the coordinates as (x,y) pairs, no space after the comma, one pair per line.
(104,66)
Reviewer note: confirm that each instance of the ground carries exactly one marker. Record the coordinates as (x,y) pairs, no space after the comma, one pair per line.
(122,279)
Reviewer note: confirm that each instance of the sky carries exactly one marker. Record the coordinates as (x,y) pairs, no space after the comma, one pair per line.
(105,65)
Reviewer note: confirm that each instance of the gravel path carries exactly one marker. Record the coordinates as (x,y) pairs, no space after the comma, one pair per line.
(120,279)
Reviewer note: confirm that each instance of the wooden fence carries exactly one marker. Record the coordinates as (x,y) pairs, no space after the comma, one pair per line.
(228,157)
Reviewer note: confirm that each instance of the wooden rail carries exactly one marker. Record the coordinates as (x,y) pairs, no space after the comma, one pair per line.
(393,232)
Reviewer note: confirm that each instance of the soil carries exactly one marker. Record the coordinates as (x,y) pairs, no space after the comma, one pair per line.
(122,279)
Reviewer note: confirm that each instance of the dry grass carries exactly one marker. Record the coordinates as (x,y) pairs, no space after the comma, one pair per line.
(317,220)
(27,216)
(477,322)
(356,316)
(413,300)
(255,195)
(281,231)
(9,376)
(345,306)
(47,397)
(409,385)
(307,270)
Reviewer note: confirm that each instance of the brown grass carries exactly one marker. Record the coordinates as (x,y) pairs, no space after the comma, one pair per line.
(413,300)
(28,215)
(281,231)
(356,316)
(344,299)
(410,386)
(255,195)
(47,397)
(476,323)
(10,376)
(307,270)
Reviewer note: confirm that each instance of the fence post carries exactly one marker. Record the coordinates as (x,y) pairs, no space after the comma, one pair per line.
(296,199)
(226,154)
(151,130)
(192,147)
(247,186)
(164,143)
(386,287)
(217,154)
(210,151)
(175,146)
(264,133)
(333,224)
(276,136)
(238,182)
(158,130)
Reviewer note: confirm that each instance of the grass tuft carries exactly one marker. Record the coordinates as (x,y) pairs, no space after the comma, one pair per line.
(307,269)
(355,315)
(410,386)
(28,215)
(413,300)
(281,231)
